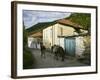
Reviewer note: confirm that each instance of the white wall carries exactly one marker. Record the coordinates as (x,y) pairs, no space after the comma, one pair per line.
(66,30)
(55,34)
(30,39)
(5,41)
(79,46)
(61,42)
(47,37)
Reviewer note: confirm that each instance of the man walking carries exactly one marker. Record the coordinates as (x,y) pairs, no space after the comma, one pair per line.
(42,50)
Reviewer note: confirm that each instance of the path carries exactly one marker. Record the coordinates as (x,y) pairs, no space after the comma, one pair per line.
(49,61)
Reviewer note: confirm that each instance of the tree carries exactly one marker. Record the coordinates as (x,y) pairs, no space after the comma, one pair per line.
(24,37)
(27,55)
(83,19)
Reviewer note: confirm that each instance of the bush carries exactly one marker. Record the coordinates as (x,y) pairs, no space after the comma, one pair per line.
(87,52)
(27,55)
(27,59)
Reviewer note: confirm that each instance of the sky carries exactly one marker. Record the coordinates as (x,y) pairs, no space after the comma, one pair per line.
(31,17)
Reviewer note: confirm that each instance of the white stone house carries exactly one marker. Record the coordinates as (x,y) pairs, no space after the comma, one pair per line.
(64,33)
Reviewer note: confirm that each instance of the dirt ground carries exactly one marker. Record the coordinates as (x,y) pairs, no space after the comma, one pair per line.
(50,62)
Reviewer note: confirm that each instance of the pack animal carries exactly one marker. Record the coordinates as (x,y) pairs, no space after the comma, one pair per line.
(58,52)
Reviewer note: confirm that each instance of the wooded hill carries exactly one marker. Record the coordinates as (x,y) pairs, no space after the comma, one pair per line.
(83,19)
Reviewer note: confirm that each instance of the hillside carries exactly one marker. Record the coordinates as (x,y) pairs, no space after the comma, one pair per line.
(83,19)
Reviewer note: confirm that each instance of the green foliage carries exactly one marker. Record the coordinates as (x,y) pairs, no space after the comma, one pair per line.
(83,19)
(27,55)
(87,51)
(27,59)
(24,37)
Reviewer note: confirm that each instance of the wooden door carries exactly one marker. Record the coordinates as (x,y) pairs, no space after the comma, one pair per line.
(70,46)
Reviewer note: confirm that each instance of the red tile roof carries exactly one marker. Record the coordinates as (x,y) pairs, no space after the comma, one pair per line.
(68,22)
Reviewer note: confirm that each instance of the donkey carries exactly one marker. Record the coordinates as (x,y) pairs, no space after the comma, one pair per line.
(58,51)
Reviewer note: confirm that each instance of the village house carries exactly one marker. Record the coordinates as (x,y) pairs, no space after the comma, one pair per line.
(35,33)
(62,32)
